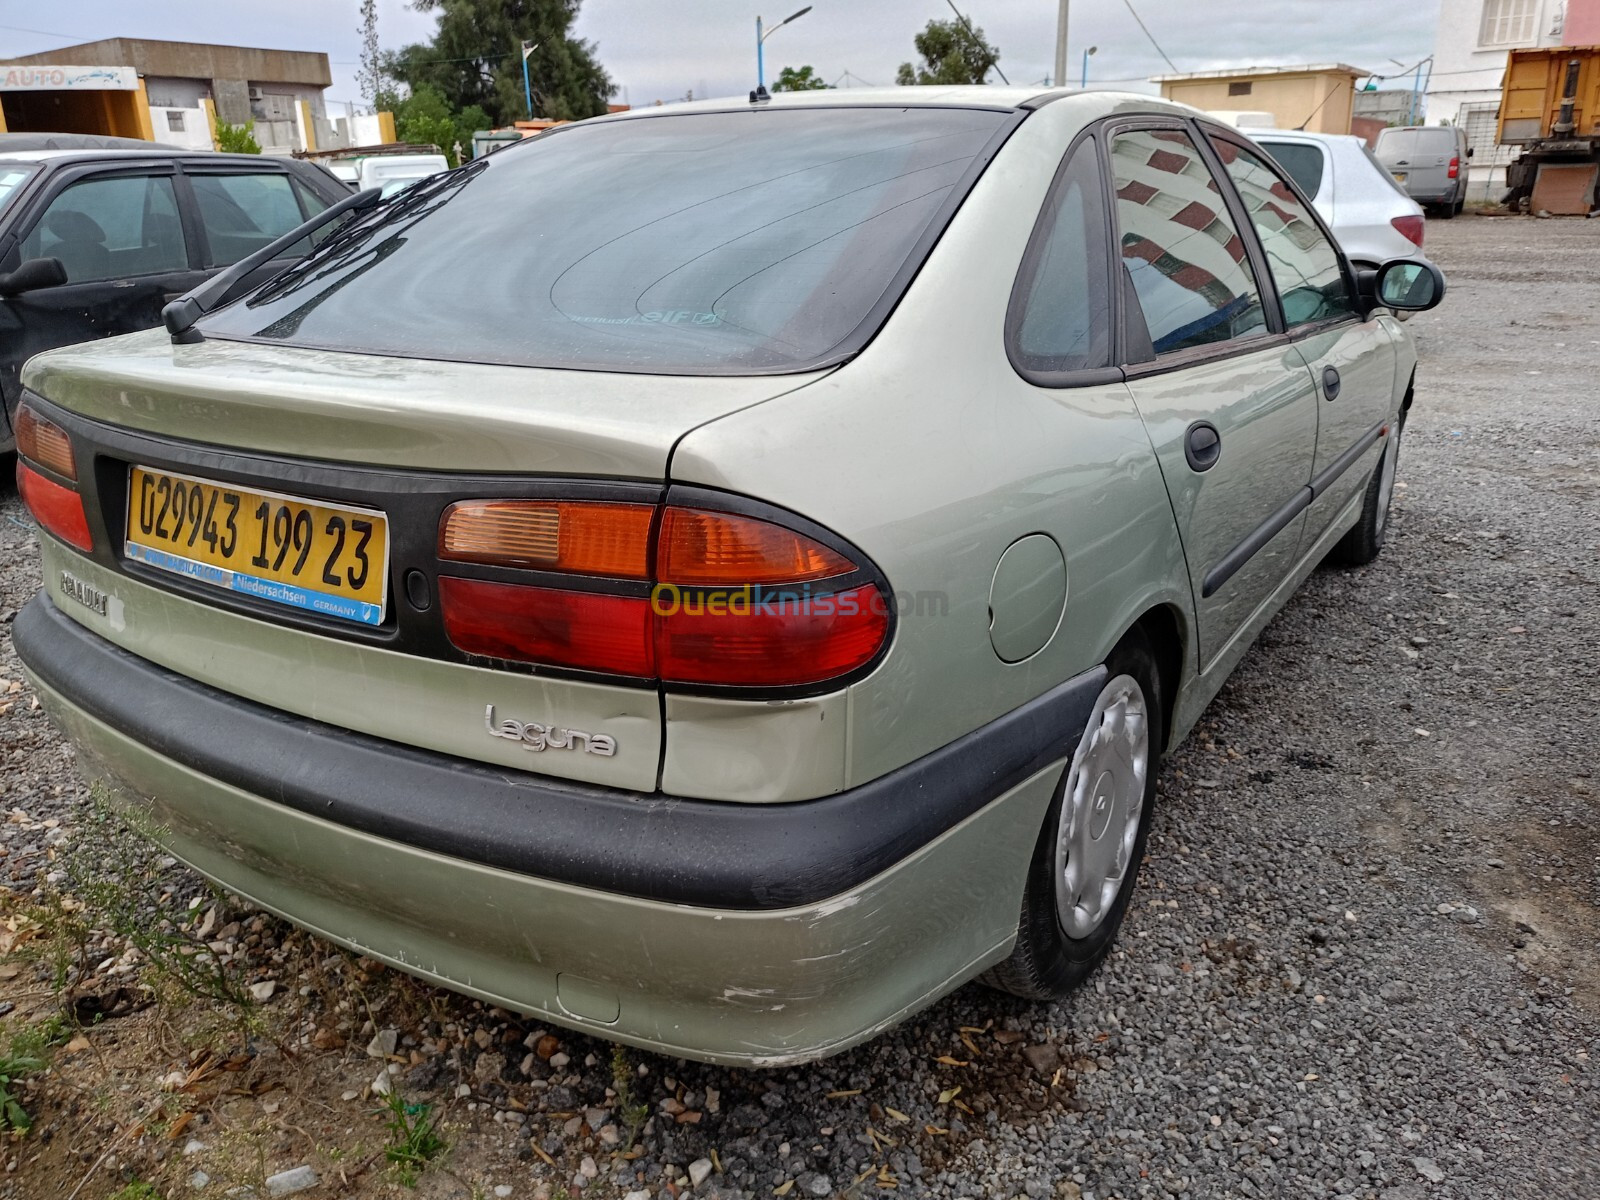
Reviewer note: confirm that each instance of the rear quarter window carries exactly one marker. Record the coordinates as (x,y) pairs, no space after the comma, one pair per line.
(1302,162)
(703,243)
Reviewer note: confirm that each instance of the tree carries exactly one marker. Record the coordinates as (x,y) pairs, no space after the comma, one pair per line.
(370,77)
(475,58)
(952,52)
(237,139)
(803,80)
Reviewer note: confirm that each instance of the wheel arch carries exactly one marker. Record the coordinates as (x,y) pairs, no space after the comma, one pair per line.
(1167,628)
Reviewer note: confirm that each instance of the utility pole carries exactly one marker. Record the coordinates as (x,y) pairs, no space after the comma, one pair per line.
(1060,76)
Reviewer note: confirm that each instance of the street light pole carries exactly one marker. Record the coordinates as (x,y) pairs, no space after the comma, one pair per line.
(1061,46)
(761,66)
(1085,81)
(527,87)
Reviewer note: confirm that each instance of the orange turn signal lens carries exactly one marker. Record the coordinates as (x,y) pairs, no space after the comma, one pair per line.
(45,443)
(581,537)
(700,547)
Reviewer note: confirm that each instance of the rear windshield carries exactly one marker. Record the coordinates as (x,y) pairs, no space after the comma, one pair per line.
(1405,143)
(1303,164)
(707,243)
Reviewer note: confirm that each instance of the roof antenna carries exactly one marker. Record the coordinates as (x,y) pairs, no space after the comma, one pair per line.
(760,95)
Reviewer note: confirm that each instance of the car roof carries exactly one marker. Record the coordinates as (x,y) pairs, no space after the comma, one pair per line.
(124,155)
(1302,135)
(924,96)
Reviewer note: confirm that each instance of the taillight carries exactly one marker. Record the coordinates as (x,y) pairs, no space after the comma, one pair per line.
(581,537)
(1455,168)
(588,630)
(45,443)
(56,508)
(702,596)
(1411,228)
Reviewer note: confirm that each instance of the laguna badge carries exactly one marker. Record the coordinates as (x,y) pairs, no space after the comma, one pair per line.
(539,738)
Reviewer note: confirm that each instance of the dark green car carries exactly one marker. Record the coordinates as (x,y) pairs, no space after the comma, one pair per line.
(720,577)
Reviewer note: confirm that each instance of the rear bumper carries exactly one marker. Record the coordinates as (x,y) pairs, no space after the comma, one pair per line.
(759,935)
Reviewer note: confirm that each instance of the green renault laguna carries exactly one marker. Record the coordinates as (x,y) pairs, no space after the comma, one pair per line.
(717,578)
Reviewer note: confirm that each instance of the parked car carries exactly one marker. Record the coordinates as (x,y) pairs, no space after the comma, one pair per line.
(1369,212)
(94,239)
(727,618)
(1429,162)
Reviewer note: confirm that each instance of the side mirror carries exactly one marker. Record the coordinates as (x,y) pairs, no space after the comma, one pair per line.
(1408,284)
(32,275)
(1469,151)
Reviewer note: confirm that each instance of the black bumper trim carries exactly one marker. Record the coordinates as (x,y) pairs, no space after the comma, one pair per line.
(698,852)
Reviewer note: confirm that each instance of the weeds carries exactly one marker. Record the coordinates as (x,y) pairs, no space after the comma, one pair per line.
(113,867)
(28,1052)
(414,1138)
(633,1111)
(137,1190)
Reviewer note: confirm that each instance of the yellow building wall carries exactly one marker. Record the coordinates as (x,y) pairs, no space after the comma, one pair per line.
(116,113)
(1327,100)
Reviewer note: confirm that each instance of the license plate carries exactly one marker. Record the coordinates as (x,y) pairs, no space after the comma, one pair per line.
(327,559)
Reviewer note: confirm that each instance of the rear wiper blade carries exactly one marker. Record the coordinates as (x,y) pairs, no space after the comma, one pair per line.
(180,316)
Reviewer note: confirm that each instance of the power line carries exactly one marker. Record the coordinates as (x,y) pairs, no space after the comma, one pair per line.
(974,36)
(1151,36)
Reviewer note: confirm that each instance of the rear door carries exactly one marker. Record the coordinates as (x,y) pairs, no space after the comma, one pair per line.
(1226,399)
(1351,360)
(121,235)
(1419,159)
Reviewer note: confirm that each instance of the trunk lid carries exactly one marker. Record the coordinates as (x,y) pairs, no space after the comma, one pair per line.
(395,412)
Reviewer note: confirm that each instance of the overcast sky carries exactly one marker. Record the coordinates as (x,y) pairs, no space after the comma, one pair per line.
(660,49)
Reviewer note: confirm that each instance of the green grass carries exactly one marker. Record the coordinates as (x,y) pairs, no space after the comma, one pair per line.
(137,1190)
(414,1139)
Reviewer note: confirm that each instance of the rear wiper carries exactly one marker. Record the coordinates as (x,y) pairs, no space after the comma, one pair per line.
(180,316)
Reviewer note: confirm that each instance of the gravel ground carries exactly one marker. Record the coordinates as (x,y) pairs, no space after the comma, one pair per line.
(1362,961)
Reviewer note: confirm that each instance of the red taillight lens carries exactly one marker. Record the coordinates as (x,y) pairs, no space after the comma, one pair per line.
(45,443)
(56,508)
(581,537)
(559,628)
(766,636)
(1411,228)
(704,547)
(1455,168)
(735,599)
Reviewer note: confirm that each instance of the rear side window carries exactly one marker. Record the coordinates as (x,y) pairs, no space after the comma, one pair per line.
(1181,249)
(1060,319)
(112,228)
(242,213)
(1304,164)
(717,243)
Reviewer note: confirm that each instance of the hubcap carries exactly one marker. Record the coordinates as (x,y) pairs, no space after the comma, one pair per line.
(1391,456)
(1102,807)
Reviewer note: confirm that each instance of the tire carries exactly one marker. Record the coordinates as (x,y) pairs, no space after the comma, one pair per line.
(1460,204)
(1048,961)
(1363,543)
(1446,211)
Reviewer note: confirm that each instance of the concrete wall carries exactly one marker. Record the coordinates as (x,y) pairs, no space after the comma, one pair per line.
(167,92)
(1292,99)
(195,60)
(188,127)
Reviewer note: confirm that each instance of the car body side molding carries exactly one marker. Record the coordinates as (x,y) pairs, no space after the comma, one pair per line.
(1263,533)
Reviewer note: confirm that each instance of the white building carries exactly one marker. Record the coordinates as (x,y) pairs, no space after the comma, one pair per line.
(1469,63)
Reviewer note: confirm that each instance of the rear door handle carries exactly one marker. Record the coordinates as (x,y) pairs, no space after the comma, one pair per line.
(1202,446)
(1330,382)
